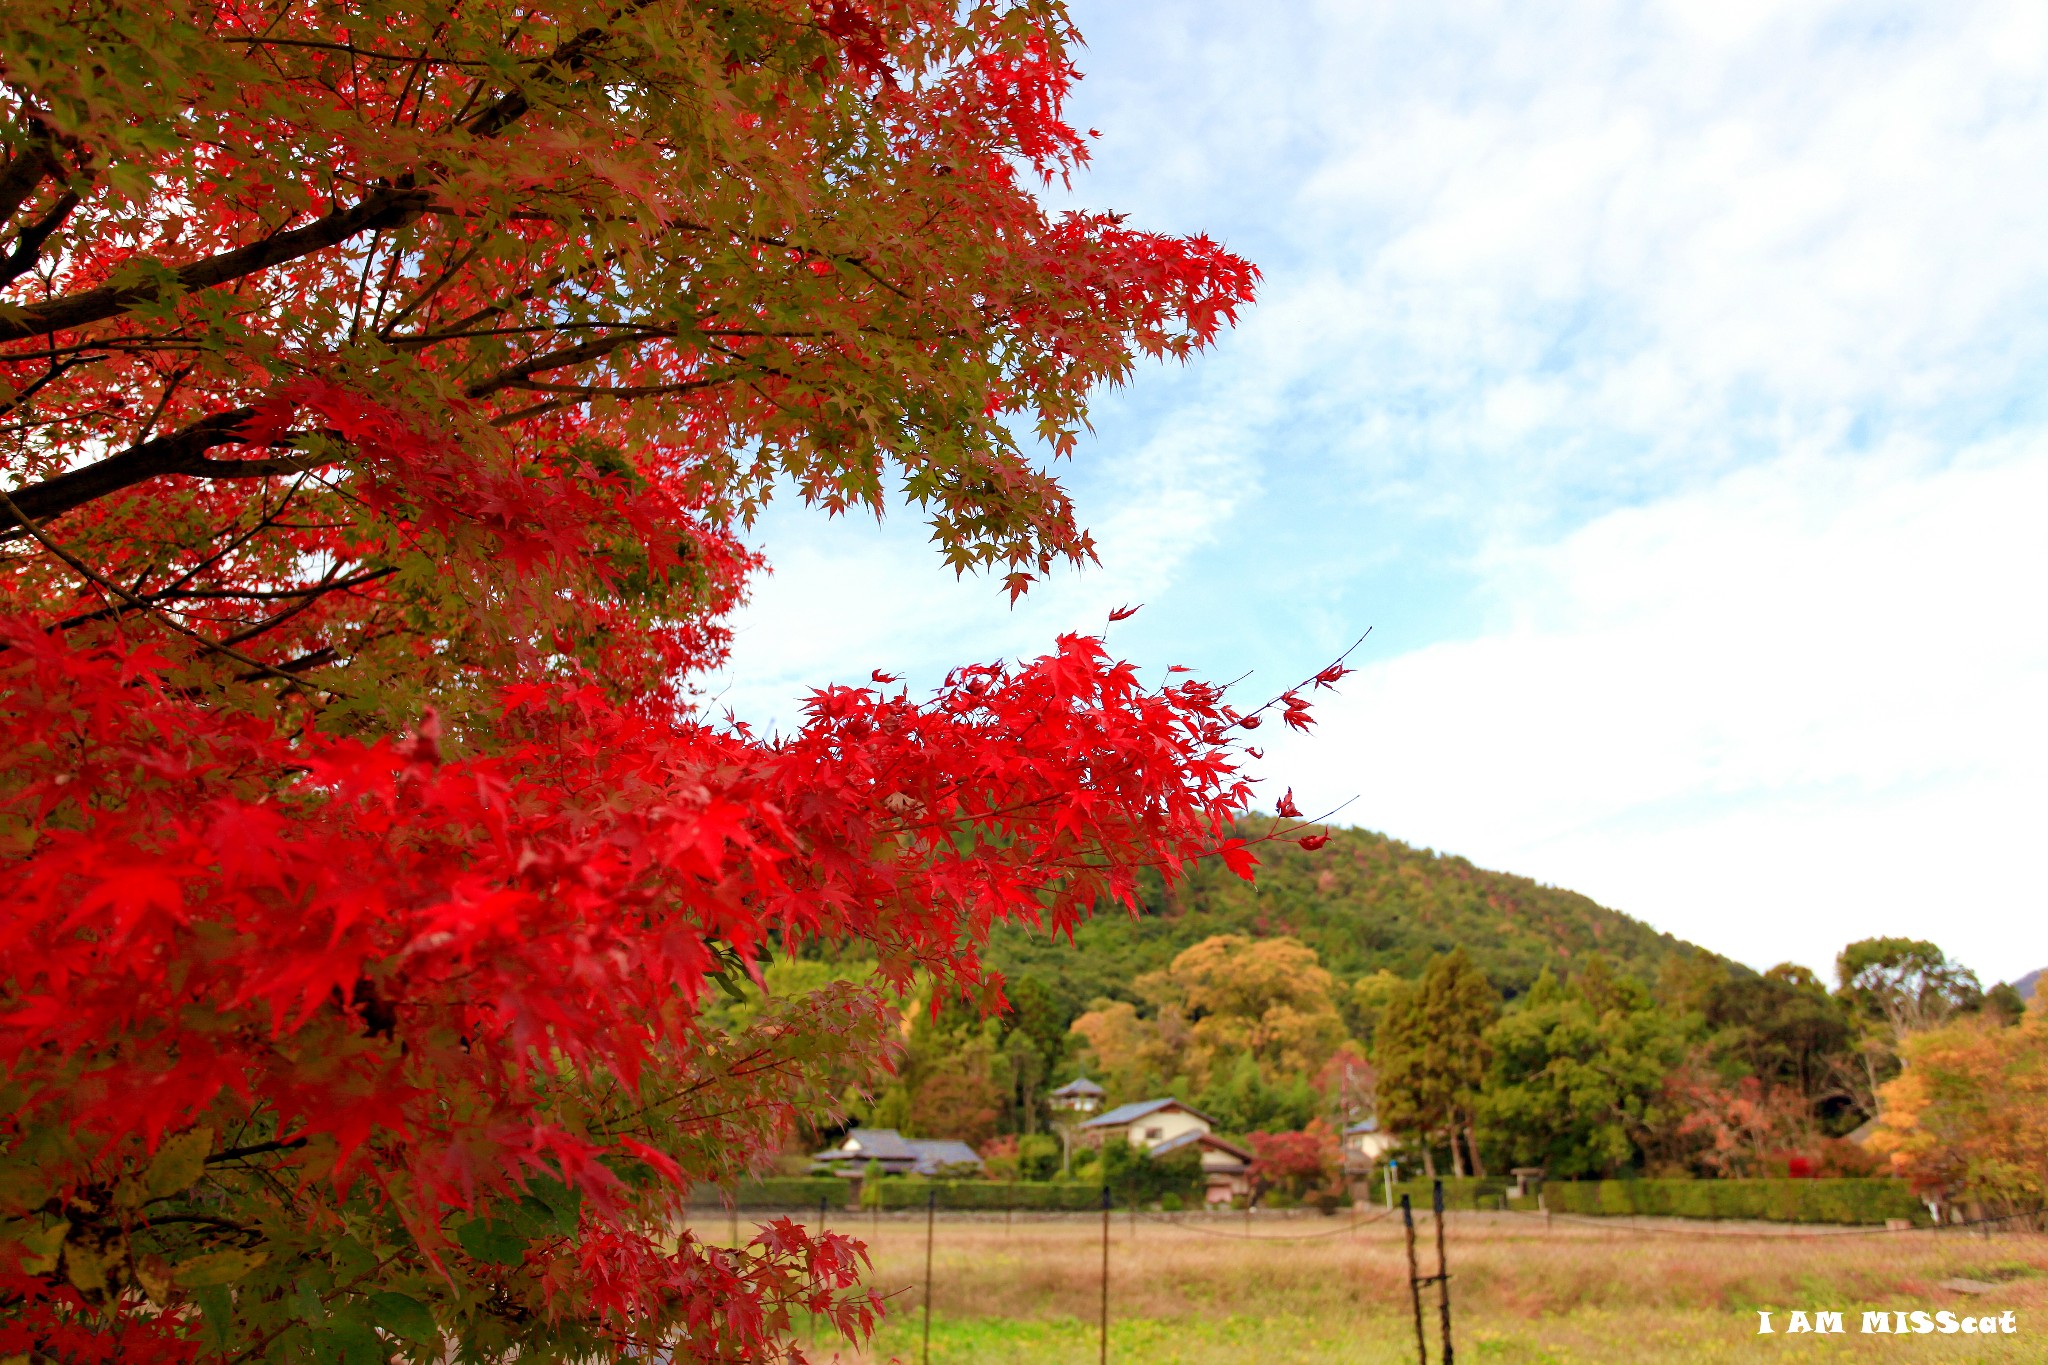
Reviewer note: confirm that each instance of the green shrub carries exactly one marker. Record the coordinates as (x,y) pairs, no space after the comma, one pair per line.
(1038,1156)
(1847,1201)
(979,1194)
(1134,1177)
(1460,1192)
(1170,1203)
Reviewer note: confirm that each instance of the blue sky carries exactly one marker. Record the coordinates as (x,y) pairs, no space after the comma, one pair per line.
(1661,383)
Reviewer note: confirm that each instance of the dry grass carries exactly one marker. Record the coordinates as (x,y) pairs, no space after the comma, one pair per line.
(1202,1292)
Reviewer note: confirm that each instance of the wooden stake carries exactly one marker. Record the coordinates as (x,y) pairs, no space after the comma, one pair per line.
(1105,1275)
(931,1213)
(1414,1282)
(1443,1275)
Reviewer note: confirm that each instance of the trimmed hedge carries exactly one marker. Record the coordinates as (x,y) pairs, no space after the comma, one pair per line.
(1776,1201)
(1460,1192)
(979,1194)
(1853,1202)
(777,1192)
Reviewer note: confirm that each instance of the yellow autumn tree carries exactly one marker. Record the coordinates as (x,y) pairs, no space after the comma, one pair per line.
(1228,997)
(1268,998)
(1969,1114)
(1132,1056)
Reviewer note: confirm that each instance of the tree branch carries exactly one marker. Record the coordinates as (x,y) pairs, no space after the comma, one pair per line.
(595,349)
(23,171)
(30,244)
(390,207)
(180,452)
(77,566)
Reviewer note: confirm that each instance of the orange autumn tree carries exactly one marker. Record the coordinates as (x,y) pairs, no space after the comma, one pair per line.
(1968,1117)
(384,389)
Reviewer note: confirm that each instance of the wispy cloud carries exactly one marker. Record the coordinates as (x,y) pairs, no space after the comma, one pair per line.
(1661,378)
(1788,710)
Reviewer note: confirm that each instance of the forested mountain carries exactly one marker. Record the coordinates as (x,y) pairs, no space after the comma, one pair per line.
(1363,902)
(1483,1018)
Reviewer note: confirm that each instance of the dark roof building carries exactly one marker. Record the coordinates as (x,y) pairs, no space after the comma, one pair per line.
(899,1155)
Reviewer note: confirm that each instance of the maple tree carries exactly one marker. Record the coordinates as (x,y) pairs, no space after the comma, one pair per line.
(386,388)
(1297,1163)
(1968,1117)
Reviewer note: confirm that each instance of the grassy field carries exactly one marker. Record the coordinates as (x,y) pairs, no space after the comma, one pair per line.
(1207,1291)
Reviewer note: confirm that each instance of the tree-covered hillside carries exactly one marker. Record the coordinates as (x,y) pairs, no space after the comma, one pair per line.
(1485,1020)
(1364,902)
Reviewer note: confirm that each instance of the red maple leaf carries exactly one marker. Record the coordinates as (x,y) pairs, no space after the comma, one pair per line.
(1238,858)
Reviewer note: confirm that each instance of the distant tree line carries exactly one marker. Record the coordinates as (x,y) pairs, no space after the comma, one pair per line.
(1660,1059)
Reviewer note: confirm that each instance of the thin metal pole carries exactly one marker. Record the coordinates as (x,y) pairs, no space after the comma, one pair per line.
(1414,1282)
(931,1206)
(1105,1275)
(1443,1274)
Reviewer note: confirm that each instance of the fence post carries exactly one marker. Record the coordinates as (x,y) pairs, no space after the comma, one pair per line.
(1414,1282)
(1105,1274)
(931,1207)
(1443,1274)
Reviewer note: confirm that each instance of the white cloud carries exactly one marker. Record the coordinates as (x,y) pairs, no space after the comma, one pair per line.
(1798,707)
(1538,257)
(1676,365)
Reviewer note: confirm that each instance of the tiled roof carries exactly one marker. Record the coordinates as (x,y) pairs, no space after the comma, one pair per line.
(896,1152)
(1194,1138)
(1131,1113)
(1363,1126)
(1080,1085)
(936,1154)
(880,1144)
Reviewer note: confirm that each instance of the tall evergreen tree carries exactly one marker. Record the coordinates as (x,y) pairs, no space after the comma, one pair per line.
(1433,1056)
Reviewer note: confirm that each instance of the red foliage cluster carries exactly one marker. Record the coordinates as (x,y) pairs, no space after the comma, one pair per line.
(385,389)
(1295,1161)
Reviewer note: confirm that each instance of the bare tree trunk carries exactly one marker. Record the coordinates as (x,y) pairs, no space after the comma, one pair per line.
(1472,1146)
(1457,1154)
(1428,1158)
